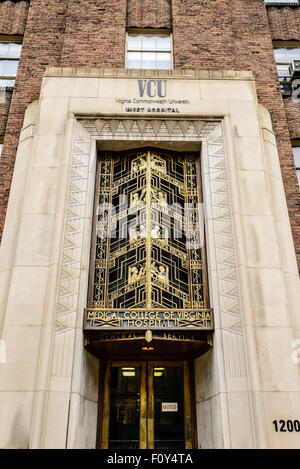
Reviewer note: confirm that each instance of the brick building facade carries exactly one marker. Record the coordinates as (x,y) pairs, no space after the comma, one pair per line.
(234,35)
(213,42)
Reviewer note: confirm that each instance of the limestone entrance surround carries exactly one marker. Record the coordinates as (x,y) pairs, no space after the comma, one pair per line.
(49,383)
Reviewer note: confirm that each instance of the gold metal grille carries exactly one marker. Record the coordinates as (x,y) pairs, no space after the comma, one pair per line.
(148,259)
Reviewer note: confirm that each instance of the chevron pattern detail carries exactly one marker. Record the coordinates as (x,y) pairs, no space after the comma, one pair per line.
(68,287)
(229,295)
(227,275)
(150,129)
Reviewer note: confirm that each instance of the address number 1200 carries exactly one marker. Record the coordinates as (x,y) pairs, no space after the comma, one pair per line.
(286,425)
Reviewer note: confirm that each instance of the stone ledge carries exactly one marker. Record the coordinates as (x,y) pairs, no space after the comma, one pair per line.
(136,73)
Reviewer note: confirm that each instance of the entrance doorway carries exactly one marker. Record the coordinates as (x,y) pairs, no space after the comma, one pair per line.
(146,405)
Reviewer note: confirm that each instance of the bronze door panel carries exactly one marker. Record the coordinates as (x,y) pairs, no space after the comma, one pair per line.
(147,405)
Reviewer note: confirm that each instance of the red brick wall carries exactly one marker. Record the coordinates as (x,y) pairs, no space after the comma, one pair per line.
(13,17)
(254,46)
(202,34)
(41,47)
(285,26)
(284,23)
(95,34)
(293,115)
(149,14)
(59,33)
(223,34)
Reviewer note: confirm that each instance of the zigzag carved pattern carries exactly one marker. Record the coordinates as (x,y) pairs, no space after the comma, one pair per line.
(68,287)
(150,129)
(225,258)
(109,129)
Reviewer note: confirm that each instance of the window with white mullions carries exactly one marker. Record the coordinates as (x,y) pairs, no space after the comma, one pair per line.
(284,55)
(282,2)
(296,153)
(9,61)
(149,51)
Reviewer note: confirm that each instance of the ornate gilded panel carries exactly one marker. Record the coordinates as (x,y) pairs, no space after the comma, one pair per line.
(148,264)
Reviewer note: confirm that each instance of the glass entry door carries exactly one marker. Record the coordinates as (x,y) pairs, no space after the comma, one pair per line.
(146,405)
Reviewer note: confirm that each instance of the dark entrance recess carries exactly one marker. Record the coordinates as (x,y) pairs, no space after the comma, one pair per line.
(147,405)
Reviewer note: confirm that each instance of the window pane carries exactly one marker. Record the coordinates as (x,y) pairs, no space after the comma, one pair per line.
(148,60)
(163,43)
(3,49)
(11,67)
(164,60)
(134,42)
(293,53)
(134,60)
(0,148)
(282,2)
(283,69)
(296,153)
(280,54)
(2,67)
(298,175)
(14,51)
(149,42)
(6,84)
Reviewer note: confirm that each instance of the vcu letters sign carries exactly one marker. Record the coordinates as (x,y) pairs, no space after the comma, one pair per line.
(153,88)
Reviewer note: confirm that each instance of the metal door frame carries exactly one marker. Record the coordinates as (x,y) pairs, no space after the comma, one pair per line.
(147,403)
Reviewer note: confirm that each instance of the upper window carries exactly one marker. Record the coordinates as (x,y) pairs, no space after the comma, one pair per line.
(149,51)
(296,153)
(9,61)
(283,57)
(282,2)
(1,143)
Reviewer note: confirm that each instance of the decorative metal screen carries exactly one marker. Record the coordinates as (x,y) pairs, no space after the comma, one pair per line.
(148,252)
